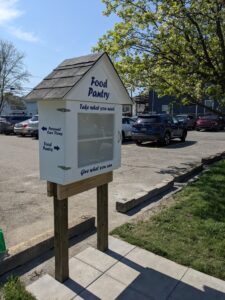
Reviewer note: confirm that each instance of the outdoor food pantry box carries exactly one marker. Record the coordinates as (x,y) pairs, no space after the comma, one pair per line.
(80,112)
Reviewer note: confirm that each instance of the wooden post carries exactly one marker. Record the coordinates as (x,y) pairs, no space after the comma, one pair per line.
(60,193)
(102,217)
(61,239)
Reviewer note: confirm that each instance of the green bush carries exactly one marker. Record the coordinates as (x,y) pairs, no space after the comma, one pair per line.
(15,290)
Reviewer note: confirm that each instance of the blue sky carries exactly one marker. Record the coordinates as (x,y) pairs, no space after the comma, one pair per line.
(49,31)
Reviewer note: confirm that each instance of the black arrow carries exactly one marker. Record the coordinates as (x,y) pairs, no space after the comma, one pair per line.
(56,148)
(44,128)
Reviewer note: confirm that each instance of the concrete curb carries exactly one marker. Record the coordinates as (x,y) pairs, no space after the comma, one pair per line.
(213,158)
(124,206)
(26,251)
(190,172)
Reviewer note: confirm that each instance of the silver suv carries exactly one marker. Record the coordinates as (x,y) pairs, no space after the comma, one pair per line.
(33,126)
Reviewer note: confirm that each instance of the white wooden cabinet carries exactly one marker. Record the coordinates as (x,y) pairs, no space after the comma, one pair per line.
(80,119)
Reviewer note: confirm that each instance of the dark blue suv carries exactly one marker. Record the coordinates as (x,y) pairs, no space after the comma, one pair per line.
(158,127)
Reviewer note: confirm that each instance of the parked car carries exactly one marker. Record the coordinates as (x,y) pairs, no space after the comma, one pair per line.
(8,123)
(189,120)
(32,127)
(127,124)
(158,127)
(2,124)
(22,128)
(134,118)
(210,122)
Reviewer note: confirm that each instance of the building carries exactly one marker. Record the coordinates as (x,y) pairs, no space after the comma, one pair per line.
(32,107)
(151,103)
(13,105)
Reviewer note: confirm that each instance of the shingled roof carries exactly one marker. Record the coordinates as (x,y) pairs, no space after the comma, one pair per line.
(62,79)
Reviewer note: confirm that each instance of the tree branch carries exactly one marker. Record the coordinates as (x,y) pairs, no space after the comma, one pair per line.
(208,59)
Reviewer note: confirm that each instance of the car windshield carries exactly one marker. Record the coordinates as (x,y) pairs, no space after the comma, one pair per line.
(34,118)
(181,118)
(17,118)
(134,118)
(149,119)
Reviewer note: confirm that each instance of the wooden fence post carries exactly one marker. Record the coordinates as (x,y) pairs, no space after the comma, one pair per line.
(102,217)
(61,239)
(60,194)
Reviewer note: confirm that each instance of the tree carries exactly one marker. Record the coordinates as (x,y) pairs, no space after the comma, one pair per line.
(12,71)
(176,47)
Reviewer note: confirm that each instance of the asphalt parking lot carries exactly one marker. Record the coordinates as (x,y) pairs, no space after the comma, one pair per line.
(26,211)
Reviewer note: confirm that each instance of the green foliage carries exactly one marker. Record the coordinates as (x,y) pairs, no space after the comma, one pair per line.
(15,290)
(191,232)
(174,47)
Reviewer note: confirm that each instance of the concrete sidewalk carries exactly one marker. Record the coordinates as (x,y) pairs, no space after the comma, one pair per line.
(127,272)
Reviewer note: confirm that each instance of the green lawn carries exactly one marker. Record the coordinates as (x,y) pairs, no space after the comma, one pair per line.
(191,231)
(15,290)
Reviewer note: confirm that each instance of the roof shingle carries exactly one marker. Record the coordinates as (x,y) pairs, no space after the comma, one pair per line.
(62,79)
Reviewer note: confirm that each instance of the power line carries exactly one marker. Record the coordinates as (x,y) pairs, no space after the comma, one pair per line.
(36,76)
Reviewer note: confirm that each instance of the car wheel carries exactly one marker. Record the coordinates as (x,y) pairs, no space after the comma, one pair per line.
(198,129)
(184,135)
(138,143)
(166,139)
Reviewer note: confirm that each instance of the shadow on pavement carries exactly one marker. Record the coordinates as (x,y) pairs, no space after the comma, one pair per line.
(25,268)
(173,144)
(156,285)
(128,142)
(77,288)
(174,170)
(144,283)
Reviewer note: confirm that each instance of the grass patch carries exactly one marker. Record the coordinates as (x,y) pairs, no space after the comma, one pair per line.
(191,231)
(15,290)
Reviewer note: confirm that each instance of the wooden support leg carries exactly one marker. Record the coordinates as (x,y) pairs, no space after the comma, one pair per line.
(61,239)
(102,217)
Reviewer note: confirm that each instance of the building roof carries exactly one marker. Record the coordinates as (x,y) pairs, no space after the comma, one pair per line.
(62,79)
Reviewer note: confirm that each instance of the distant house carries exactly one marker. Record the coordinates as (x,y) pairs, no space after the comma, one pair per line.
(127,110)
(13,105)
(151,103)
(32,107)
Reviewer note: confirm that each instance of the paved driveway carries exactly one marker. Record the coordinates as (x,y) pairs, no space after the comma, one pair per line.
(25,210)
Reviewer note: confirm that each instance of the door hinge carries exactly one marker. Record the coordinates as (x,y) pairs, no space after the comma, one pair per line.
(64,168)
(63,109)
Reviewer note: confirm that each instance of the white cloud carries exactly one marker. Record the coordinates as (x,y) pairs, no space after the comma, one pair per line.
(23,35)
(8,11)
